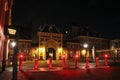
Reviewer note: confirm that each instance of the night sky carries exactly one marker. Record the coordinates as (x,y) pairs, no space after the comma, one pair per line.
(100,15)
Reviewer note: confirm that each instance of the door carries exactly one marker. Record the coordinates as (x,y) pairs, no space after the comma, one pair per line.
(51,53)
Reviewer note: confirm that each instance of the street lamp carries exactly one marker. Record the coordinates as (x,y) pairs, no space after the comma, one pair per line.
(11,31)
(13,44)
(85,45)
(14,33)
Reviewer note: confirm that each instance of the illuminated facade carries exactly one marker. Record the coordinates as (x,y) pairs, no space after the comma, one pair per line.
(77,36)
(115,49)
(94,44)
(50,43)
(53,43)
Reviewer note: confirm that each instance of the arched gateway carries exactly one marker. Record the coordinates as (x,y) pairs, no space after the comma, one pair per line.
(51,49)
(51,53)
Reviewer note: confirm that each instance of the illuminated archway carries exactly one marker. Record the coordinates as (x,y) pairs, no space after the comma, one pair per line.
(51,53)
(51,48)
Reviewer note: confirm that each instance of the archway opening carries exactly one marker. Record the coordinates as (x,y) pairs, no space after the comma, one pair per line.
(51,53)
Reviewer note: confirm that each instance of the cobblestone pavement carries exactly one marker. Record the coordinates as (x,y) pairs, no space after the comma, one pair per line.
(69,73)
(103,73)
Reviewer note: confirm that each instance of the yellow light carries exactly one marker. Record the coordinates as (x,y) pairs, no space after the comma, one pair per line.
(33,55)
(42,49)
(83,52)
(12,31)
(59,49)
(10,63)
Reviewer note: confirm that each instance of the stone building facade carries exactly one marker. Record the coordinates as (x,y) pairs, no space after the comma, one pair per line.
(49,43)
(52,42)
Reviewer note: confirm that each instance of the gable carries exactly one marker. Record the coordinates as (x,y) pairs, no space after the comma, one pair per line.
(50,29)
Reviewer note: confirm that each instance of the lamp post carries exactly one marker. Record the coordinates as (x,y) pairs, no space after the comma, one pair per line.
(14,33)
(87,61)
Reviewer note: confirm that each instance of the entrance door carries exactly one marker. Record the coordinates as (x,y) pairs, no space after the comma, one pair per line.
(51,53)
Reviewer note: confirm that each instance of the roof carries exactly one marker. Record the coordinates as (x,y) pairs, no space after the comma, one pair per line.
(49,28)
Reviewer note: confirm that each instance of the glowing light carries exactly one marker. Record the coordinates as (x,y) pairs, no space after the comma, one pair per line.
(85,45)
(83,52)
(76,56)
(20,62)
(106,59)
(13,44)
(21,56)
(63,56)
(59,49)
(97,58)
(42,49)
(106,55)
(12,31)
(10,63)
(66,32)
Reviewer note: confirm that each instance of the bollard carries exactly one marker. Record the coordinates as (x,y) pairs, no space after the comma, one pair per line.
(36,64)
(63,61)
(76,61)
(50,63)
(20,62)
(97,62)
(87,63)
(106,60)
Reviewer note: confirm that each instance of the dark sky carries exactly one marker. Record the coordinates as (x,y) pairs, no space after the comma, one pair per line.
(101,15)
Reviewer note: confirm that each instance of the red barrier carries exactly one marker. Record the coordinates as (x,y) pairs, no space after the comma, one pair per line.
(36,64)
(97,62)
(63,61)
(87,63)
(76,61)
(20,62)
(106,59)
(50,63)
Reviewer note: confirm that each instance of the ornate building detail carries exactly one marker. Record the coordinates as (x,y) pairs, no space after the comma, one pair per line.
(50,41)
